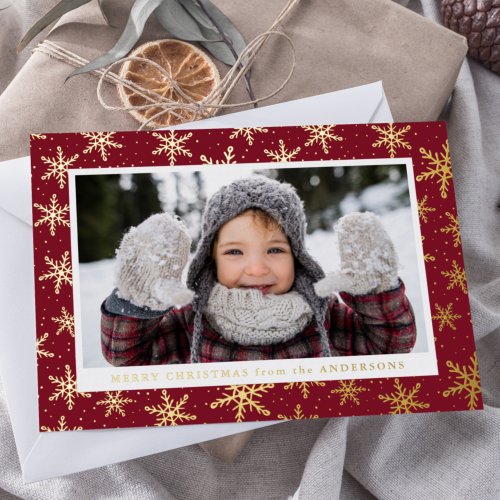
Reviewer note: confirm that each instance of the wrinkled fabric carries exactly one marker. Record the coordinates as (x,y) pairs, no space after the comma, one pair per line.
(15,21)
(452,455)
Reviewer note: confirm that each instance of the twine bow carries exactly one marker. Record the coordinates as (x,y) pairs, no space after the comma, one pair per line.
(195,110)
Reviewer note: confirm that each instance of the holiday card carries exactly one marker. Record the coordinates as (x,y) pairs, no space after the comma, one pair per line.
(90,189)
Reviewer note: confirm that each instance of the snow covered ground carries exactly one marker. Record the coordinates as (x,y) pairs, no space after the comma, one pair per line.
(96,280)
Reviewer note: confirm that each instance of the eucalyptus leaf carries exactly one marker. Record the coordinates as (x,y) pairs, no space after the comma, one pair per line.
(210,19)
(180,24)
(52,15)
(139,14)
(220,51)
(223,22)
(201,18)
(103,12)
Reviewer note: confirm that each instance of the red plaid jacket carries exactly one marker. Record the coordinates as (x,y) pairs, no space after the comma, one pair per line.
(381,323)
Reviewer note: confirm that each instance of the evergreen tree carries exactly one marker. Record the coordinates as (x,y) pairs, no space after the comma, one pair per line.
(107,206)
(97,218)
(322,189)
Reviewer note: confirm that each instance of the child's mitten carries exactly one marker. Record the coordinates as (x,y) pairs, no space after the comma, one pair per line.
(368,261)
(150,261)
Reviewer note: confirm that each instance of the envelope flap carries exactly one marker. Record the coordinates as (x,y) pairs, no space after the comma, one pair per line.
(382,113)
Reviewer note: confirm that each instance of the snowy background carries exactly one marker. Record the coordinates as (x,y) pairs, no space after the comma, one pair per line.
(96,278)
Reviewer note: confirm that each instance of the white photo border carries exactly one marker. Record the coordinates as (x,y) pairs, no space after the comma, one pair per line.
(252,372)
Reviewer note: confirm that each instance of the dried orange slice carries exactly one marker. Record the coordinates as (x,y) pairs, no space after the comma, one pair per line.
(193,71)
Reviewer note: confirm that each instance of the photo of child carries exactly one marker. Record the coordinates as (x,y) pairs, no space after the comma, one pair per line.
(253,290)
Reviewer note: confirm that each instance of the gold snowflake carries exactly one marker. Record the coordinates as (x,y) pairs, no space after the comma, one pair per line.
(297,415)
(423,209)
(452,228)
(173,145)
(391,138)
(428,257)
(228,158)
(58,166)
(114,402)
(248,133)
(54,215)
(456,277)
(322,135)
(348,391)
(62,426)
(40,352)
(170,412)
(467,381)
(66,388)
(402,401)
(101,141)
(445,316)
(244,397)
(282,154)
(66,322)
(304,387)
(60,271)
(38,136)
(440,167)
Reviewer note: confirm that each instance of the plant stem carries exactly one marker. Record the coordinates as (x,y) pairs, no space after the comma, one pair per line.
(230,46)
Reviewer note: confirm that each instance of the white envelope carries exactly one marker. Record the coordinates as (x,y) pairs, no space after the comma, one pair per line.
(51,454)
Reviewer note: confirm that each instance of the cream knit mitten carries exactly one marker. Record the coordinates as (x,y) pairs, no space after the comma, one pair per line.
(368,261)
(150,261)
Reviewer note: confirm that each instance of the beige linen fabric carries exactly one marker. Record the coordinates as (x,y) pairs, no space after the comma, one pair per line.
(15,21)
(430,456)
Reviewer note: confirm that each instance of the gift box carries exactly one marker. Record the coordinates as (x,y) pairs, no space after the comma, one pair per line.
(337,45)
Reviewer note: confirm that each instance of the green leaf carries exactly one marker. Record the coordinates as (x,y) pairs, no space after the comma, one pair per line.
(180,24)
(223,22)
(139,14)
(103,12)
(195,11)
(211,19)
(220,51)
(185,20)
(53,15)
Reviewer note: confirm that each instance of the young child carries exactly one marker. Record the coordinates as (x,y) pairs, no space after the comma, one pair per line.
(254,292)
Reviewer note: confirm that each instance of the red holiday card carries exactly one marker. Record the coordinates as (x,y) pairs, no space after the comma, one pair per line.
(91,188)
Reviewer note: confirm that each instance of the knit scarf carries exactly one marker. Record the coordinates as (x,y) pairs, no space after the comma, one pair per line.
(248,317)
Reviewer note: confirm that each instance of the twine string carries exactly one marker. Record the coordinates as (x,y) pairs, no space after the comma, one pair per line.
(206,107)
(187,106)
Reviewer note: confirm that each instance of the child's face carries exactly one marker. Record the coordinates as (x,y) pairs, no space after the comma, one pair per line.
(249,255)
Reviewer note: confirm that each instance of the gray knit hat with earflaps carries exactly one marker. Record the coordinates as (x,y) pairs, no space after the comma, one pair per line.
(281,202)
